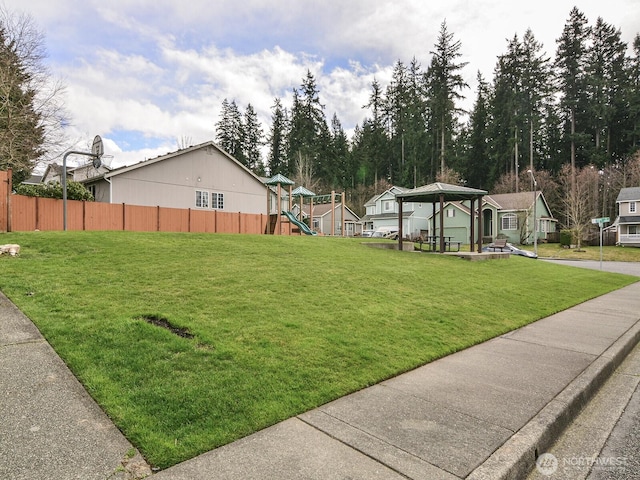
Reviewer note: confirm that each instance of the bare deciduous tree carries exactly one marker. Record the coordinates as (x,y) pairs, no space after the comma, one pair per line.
(578,200)
(32,114)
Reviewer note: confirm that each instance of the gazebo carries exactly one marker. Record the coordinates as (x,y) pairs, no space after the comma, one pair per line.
(440,193)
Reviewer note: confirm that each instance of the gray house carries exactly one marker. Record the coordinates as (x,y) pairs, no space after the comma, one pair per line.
(382,212)
(199,177)
(628,220)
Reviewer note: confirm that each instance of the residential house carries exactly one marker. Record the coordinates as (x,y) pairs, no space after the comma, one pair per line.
(628,221)
(508,215)
(202,177)
(382,212)
(53,173)
(322,219)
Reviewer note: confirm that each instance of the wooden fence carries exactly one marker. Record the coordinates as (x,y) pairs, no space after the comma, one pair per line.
(21,213)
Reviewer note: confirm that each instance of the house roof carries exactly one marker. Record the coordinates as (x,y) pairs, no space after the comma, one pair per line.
(33,180)
(513,201)
(210,145)
(628,219)
(383,216)
(433,191)
(628,194)
(323,209)
(392,190)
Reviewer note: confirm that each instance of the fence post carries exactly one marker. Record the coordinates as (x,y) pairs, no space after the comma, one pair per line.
(37,213)
(5,198)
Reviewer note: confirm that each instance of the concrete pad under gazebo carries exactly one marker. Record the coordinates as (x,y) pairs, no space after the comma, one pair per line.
(443,192)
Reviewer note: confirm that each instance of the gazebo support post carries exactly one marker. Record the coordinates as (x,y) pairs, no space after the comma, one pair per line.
(480,232)
(472,239)
(400,235)
(442,223)
(433,225)
(268,210)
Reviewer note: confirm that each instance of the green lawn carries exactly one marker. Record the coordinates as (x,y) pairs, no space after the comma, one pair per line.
(610,253)
(280,324)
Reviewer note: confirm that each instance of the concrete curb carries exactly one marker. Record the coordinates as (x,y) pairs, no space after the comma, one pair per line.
(516,458)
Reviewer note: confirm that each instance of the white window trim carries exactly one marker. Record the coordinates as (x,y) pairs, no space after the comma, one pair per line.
(217,200)
(632,207)
(512,224)
(202,197)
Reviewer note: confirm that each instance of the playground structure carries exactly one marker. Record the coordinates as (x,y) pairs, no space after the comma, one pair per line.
(274,225)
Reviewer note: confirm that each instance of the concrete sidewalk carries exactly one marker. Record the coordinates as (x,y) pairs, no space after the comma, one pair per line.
(481,413)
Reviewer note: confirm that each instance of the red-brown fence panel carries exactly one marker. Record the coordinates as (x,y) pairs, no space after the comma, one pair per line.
(227,222)
(140,219)
(200,221)
(49,214)
(23,213)
(252,223)
(173,219)
(103,216)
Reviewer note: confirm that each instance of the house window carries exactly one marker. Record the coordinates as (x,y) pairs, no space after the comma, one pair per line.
(202,199)
(633,229)
(632,207)
(92,190)
(509,221)
(217,200)
(451,213)
(388,205)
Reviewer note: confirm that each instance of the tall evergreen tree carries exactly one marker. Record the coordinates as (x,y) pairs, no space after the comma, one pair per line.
(633,98)
(477,156)
(277,140)
(340,172)
(506,110)
(605,85)
(308,134)
(571,70)
(396,121)
(252,141)
(372,143)
(230,131)
(445,84)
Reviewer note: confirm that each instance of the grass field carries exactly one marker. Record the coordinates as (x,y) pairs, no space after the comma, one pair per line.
(271,326)
(611,253)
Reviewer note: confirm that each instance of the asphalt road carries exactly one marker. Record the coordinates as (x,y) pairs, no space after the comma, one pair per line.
(628,268)
(620,457)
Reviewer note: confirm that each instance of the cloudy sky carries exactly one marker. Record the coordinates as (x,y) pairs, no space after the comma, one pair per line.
(149,74)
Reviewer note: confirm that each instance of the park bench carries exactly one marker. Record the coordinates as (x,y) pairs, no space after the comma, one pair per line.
(500,243)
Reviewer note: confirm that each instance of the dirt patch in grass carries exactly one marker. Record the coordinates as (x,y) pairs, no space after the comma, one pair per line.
(164,323)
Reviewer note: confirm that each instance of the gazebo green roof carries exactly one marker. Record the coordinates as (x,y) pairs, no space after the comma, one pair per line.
(302,192)
(433,191)
(279,179)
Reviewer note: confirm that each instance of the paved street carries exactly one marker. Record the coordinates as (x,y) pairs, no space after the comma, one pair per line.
(628,268)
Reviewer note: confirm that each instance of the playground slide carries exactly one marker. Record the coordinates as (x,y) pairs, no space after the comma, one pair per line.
(302,226)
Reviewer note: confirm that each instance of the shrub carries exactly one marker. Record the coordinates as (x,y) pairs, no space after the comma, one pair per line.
(566,238)
(75,191)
